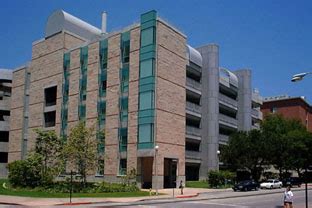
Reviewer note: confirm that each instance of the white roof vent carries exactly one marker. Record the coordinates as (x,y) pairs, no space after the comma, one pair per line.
(60,21)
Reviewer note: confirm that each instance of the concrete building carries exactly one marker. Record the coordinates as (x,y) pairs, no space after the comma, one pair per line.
(144,86)
(5,99)
(289,107)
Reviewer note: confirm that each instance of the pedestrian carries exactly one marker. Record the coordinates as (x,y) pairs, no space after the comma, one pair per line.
(181,187)
(288,198)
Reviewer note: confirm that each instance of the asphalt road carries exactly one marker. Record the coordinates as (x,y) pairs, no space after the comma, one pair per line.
(273,200)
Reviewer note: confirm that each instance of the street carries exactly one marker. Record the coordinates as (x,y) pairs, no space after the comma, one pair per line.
(273,200)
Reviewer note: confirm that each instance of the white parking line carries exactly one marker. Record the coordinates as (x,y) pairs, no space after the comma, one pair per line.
(220,204)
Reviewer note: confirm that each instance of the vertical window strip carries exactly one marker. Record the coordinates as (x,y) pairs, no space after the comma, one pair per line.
(124,88)
(83,82)
(146,80)
(64,109)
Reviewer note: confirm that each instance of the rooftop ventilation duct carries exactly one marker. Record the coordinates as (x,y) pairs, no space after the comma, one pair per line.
(60,21)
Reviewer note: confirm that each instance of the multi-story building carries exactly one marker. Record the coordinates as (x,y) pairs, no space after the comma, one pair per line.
(218,103)
(161,102)
(289,107)
(5,99)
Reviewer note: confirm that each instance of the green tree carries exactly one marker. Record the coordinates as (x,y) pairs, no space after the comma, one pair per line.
(80,150)
(48,149)
(247,151)
(283,141)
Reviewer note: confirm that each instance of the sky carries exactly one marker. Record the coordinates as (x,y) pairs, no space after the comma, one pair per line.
(273,38)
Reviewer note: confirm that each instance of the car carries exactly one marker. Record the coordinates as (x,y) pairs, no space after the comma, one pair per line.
(246,185)
(271,183)
(292,181)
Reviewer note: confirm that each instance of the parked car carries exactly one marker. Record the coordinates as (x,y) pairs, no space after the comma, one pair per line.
(271,183)
(292,181)
(246,186)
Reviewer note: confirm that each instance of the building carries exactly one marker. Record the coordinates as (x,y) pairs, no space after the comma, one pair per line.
(5,98)
(144,85)
(290,107)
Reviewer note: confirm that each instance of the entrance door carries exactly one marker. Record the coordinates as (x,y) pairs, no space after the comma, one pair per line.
(170,173)
(147,168)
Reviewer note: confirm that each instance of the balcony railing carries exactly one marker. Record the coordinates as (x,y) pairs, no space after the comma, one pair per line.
(223,138)
(227,100)
(192,154)
(4,126)
(256,113)
(228,120)
(5,104)
(193,84)
(193,131)
(193,107)
(256,98)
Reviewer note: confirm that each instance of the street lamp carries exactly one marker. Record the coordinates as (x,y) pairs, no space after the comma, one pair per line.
(299,77)
(156,176)
(296,78)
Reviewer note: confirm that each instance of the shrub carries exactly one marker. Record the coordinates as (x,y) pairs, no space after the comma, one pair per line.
(25,173)
(116,187)
(218,178)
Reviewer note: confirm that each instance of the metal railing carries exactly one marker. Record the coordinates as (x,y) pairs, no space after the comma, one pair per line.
(190,130)
(223,137)
(193,107)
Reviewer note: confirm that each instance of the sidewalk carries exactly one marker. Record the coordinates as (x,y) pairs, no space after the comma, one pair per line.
(167,195)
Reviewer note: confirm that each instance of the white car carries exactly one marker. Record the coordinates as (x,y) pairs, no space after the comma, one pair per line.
(271,183)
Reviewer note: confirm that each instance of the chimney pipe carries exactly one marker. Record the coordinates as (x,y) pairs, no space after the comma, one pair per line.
(104,19)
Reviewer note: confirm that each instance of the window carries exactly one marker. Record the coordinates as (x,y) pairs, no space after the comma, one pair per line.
(4,136)
(145,133)
(3,157)
(123,167)
(100,168)
(49,119)
(147,68)
(146,100)
(274,109)
(125,51)
(50,96)
(147,36)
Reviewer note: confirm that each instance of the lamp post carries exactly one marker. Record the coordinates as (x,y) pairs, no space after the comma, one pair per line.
(296,78)
(156,175)
(300,76)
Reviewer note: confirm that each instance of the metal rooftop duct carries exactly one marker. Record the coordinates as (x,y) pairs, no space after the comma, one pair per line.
(60,21)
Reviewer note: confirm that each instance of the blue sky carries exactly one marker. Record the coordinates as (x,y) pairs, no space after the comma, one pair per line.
(273,38)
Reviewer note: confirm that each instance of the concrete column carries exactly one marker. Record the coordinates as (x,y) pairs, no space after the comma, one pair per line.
(244,99)
(210,109)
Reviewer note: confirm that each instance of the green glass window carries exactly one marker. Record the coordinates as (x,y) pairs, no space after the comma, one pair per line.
(123,167)
(146,100)
(147,68)
(145,133)
(100,169)
(147,37)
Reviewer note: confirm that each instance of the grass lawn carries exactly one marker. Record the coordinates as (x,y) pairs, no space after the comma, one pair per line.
(197,184)
(32,193)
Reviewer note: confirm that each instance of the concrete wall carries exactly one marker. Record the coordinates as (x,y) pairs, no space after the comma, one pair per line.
(244,99)
(210,109)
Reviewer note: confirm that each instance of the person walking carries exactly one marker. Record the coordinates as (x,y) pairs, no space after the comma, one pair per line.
(288,198)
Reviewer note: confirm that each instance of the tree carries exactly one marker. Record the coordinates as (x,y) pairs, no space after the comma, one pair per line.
(80,150)
(48,149)
(247,151)
(281,135)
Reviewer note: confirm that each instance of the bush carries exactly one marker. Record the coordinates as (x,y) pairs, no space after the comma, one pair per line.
(25,173)
(104,187)
(218,178)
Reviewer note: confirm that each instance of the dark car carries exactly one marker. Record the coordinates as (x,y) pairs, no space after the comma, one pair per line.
(292,181)
(246,186)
